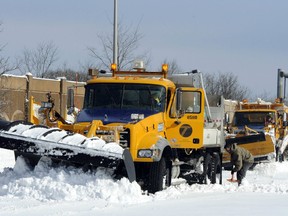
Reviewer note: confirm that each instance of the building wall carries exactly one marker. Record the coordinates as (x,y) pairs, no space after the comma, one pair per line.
(15,92)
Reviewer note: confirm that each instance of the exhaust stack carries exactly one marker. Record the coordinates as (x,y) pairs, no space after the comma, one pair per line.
(281,84)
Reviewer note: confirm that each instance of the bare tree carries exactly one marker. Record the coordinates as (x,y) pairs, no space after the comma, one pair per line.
(173,67)
(40,60)
(5,66)
(225,84)
(128,41)
(265,95)
(68,73)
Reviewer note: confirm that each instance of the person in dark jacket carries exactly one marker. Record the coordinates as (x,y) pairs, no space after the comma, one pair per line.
(241,160)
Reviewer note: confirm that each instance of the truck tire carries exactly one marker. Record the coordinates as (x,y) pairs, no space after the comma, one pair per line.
(206,169)
(159,176)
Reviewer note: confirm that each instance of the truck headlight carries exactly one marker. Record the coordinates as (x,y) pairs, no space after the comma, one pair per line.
(136,116)
(145,153)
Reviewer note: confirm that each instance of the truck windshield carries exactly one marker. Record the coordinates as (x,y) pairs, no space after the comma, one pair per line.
(253,118)
(125,97)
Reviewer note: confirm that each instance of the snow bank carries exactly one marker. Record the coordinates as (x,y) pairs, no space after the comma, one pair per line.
(70,184)
(55,184)
(70,191)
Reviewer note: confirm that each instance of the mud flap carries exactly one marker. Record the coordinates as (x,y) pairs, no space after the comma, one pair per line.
(129,165)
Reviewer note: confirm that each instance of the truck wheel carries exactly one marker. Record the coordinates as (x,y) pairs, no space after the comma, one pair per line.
(159,176)
(206,163)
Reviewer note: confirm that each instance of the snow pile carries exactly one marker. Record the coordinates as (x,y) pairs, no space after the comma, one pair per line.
(46,183)
(270,177)
(65,184)
(69,191)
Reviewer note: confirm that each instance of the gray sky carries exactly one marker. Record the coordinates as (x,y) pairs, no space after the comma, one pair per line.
(247,37)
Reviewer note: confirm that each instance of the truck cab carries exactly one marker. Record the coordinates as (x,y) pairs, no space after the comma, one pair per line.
(165,122)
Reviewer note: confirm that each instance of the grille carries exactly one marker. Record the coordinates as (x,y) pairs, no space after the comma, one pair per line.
(125,138)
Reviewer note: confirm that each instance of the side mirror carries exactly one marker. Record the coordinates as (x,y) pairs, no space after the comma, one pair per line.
(179,111)
(70,98)
(285,119)
(179,101)
(227,119)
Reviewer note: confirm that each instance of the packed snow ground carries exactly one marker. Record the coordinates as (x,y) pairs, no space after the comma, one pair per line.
(69,191)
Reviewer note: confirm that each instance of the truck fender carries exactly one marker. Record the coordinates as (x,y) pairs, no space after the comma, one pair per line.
(161,149)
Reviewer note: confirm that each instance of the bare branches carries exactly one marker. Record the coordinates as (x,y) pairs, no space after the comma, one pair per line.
(69,74)
(128,42)
(225,84)
(174,68)
(4,61)
(40,60)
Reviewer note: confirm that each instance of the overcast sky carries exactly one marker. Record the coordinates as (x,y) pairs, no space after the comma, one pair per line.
(247,37)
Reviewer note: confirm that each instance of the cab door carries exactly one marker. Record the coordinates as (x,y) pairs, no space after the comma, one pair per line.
(185,123)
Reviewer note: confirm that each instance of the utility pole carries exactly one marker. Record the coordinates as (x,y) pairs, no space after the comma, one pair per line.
(115,34)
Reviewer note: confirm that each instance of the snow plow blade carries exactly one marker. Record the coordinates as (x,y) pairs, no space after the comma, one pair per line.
(247,139)
(37,141)
(260,145)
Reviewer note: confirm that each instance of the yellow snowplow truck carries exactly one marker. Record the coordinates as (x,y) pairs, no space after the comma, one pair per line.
(259,127)
(142,125)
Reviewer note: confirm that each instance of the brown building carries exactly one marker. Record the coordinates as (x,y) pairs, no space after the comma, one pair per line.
(15,92)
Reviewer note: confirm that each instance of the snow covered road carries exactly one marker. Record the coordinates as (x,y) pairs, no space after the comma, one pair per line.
(69,191)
